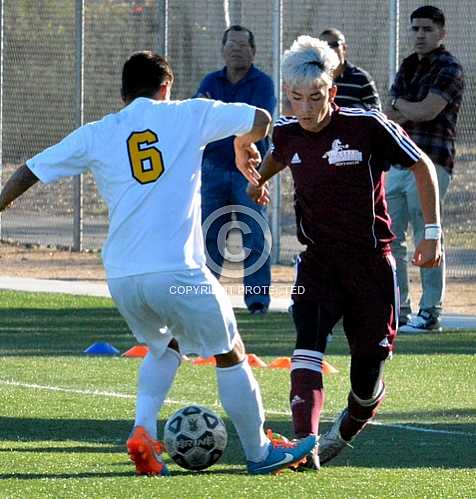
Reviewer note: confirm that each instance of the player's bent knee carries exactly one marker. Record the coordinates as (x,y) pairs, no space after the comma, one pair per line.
(369,352)
(234,356)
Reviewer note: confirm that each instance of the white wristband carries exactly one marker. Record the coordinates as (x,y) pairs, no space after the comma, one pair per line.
(433,231)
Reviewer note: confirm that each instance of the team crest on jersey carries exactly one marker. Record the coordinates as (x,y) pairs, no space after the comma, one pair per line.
(341,155)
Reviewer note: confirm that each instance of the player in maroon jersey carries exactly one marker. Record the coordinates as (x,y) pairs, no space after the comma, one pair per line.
(337,157)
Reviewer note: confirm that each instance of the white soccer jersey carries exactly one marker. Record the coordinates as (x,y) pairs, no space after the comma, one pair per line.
(146,161)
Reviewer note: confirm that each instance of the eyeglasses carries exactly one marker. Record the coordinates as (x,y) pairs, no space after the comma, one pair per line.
(334,45)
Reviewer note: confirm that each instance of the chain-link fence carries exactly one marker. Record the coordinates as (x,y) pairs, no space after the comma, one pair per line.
(41,53)
(459,215)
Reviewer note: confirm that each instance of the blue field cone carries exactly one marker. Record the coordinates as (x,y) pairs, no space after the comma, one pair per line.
(101,348)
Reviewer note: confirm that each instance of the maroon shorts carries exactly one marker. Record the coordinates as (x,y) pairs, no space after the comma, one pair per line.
(359,288)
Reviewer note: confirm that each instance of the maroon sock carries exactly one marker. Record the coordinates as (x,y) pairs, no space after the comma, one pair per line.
(358,415)
(307,400)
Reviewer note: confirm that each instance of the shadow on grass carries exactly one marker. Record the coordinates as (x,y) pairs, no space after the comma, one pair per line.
(79,449)
(56,476)
(385,446)
(390,447)
(63,430)
(378,446)
(69,331)
(60,332)
(176,472)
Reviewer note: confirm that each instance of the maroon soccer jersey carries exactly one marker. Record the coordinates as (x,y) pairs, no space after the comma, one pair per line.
(338,176)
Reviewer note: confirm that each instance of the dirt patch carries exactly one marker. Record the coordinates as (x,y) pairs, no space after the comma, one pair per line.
(46,263)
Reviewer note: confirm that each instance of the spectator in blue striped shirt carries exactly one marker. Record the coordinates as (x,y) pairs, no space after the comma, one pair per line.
(355,87)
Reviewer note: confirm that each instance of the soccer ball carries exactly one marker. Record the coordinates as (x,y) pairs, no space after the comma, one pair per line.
(195,437)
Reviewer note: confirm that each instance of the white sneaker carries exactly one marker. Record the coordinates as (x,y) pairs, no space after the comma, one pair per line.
(423,322)
(331,443)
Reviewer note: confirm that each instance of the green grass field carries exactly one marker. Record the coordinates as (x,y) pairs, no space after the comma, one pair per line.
(64,416)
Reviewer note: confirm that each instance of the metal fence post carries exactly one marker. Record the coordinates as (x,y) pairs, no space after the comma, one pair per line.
(163,12)
(78,121)
(393,37)
(234,11)
(277,20)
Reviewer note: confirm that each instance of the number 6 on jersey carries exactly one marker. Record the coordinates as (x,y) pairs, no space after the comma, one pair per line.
(146,164)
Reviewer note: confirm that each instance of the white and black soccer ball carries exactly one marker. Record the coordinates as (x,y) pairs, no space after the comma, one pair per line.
(195,437)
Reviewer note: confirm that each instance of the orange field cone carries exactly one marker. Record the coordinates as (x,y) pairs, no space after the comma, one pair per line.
(200,361)
(255,361)
(285,363)
(137,351)
(280,363)
(328,368)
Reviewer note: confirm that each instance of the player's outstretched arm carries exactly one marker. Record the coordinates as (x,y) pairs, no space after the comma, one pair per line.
(428,250)
(247,156)
(269,167)
(16,185)
(260,127)
(259,194)
(259,191)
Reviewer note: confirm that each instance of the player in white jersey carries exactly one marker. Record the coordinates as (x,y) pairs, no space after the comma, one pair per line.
(146,162)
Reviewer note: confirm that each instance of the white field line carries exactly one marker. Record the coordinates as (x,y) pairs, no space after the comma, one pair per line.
(271,412)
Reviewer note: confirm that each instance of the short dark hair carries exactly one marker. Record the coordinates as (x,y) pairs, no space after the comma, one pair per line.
(238,27)
(143,74)
(429,12)
(334,32)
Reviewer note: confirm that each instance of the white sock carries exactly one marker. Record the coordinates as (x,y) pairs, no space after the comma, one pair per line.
(155,379)
(241,398)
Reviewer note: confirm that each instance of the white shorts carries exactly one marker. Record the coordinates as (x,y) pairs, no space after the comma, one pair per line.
(190,306)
